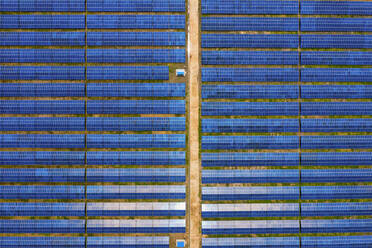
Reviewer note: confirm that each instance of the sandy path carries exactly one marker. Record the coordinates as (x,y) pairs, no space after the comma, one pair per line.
(194,81)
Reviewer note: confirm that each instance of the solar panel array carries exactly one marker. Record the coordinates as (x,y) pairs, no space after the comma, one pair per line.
(286,107)
(93,123)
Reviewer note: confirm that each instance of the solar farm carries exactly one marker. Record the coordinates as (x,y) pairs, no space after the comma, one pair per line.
(174,123)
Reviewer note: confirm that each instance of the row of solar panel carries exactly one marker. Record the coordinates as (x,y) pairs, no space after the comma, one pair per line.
(93,175)
(285,24)
(93,56)
(178,209)
(93,209)
(285,41)
(178,124)
(290,242)
(285,108)
(285,193)
(92,38)
(280,176)
(283,91)
(26,192)
(79,242)
(285,209)
(272,7)
(68,192)
(178,175)
(92,21)
(95,141)
(285,125)
(92,123)
(78,72)
(178,158)
(286,226)
(92,107)
(285,58)
(220,74)
(163,242)
(93,226)
(92,5)
(92,158)
(99,90)
(263,142)
(286,159)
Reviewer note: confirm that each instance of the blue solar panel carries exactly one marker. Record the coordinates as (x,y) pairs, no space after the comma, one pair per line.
(250,108)
(128,242)
(336,241)
(250,41)
(336,226)
(136,89)
(335,8)
(42,209)
(128,72)
(42,38)
(42,22)
(42,5)
(250,91)
(37,242)
(250,210)
(136,158)
(336,41)
(250,227)
(42,158)
(336,108)
(250,74)
(336,192)
(136,21)
(249,125)
(335,58)
(42,89)
(250,159)
(42,226)
(26,192)
(42,175)
(336,25)
(249,142)
(136,6)
(136,141)
(42,141)
(42,56)
(42,123)
(136,38)
(336,175)
(336,125)
(249,193)
(250,57)
(136,55)
(250,176)
(256,242)
(136,107)
(336,158)
(268,7)
(41,72)
(136,175)
(41,107)
(136,124)
(336,209)
(336,91)
(249,24)
(336,75)
(336,142)
(163,192)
